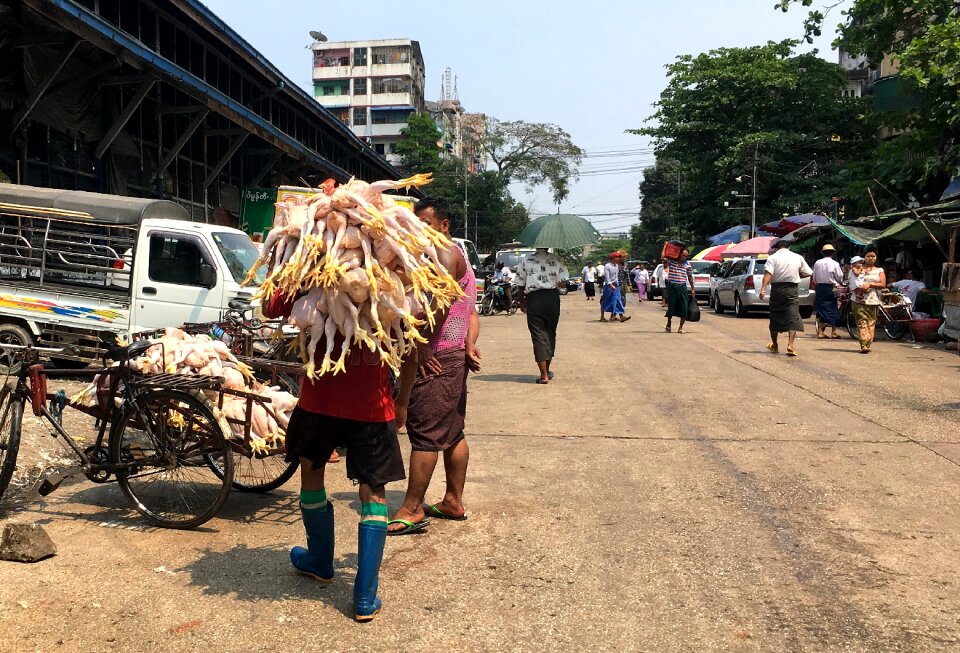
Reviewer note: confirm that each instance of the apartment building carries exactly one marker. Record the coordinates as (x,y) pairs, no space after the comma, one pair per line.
(371,86)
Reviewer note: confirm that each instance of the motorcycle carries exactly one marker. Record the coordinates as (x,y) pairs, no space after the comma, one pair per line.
(496,299)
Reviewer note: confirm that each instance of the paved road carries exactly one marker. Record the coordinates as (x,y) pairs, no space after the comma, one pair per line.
(666,493)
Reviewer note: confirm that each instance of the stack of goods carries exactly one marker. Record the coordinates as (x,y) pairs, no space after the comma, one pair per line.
(363,268)
(177,352)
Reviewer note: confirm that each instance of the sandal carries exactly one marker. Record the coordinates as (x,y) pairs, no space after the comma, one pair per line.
(773,348)
(835,336)
(821,337)
(624,318)
(791,352)
(603,319)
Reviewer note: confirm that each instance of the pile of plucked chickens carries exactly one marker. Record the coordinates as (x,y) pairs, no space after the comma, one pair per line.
(361,266)
(178,352)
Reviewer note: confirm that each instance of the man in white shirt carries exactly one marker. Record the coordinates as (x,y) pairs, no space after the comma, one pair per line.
(540,276)
(782,272)
(910,288)
(827,274)
(589,274)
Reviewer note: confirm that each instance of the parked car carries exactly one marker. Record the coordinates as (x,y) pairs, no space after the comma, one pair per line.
(655,289)
(740,289)
(702,271)
(574,284)
(720,272)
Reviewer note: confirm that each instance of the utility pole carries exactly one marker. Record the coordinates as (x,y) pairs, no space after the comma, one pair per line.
(466,204)
(753,196)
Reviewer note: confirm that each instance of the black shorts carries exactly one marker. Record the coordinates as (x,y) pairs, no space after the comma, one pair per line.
(373,452)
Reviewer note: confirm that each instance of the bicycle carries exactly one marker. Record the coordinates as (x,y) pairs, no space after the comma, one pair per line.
(155,442)
(893,314)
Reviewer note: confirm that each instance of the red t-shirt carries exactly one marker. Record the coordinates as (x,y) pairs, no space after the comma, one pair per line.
(363,393)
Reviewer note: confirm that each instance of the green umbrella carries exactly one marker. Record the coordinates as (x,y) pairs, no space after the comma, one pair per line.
(560,230)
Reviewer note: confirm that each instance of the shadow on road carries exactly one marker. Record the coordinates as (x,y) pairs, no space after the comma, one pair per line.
(506,378)
(264,572)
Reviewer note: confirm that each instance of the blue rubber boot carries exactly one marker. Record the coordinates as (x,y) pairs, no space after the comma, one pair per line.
(316,560)
(371,539)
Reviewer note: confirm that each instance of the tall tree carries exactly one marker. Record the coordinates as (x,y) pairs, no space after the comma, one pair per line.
(923,37)
(532,153)
(418,145)
(730,109)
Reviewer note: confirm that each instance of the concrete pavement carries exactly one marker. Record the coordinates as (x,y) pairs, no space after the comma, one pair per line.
(665,493)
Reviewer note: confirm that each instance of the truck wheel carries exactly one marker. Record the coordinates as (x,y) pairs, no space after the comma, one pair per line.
(12,334)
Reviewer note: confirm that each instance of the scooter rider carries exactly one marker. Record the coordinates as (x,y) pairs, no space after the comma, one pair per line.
(505,276)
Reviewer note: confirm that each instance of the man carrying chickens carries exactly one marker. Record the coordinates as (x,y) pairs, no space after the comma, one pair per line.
(434,386)
(355,409)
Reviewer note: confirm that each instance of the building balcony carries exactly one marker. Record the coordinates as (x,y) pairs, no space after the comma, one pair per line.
(336,100)
(392,100)
(335,72)
(391,70)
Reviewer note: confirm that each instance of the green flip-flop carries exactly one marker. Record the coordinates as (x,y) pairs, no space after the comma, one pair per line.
(433,511)
(409,527)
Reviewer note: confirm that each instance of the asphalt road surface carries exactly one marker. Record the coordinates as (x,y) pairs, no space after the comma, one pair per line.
(666,492)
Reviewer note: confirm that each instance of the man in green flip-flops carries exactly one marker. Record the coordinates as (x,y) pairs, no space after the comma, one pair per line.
(436,387)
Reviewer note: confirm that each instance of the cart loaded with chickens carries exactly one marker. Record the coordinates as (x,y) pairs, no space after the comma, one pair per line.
(365,273)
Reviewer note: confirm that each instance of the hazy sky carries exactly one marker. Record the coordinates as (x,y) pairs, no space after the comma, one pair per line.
(593,68)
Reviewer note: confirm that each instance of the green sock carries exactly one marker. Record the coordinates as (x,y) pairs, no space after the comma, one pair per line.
(313,499)
(374,514)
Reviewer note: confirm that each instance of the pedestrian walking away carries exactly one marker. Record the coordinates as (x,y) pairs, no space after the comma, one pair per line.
(600,284)
(782,275)
(678,273)
(866,297)
(611,301)
(661,275)
(827,276)
(541,275)
(432,392)
(356,410)
(589,274)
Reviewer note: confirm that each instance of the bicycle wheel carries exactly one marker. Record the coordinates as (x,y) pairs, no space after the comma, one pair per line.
(895,330)
(11,418)
(165,439)
(252,474)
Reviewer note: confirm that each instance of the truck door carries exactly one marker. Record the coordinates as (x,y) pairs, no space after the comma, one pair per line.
(179,282)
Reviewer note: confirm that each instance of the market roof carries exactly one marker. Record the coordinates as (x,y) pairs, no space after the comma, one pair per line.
(112,209)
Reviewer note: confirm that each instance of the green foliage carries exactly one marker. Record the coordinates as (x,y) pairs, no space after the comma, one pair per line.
(417,146)
(532,153)
(723,109)
(924,36)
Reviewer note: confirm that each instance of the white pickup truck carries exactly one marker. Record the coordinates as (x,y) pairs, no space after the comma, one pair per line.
(79,270)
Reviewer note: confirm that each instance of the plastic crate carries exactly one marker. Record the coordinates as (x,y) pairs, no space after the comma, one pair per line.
(671,250)
(925,330)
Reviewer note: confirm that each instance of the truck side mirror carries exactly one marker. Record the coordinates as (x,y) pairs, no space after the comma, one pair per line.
(208,277)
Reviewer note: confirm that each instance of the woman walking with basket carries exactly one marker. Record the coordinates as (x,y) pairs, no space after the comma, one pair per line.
(678,272)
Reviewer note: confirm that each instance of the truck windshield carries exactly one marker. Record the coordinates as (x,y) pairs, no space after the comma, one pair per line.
(240,254)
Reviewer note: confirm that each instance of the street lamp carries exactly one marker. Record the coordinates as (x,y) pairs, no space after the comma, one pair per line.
(753,201)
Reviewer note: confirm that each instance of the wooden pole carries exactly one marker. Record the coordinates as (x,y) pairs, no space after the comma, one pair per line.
(876,211)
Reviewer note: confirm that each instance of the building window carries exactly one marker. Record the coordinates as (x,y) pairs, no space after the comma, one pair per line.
(389,117)
(390,85)
(360,116)
(360,86)
(391,54)
(379,148)
(342,114)
(359,56)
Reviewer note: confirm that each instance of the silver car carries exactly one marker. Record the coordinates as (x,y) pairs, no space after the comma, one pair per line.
(739,289)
